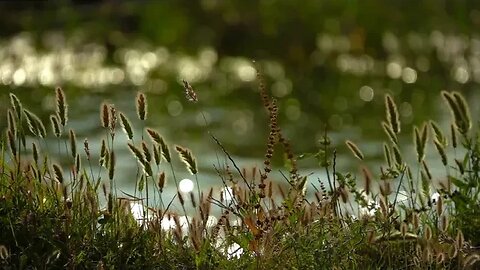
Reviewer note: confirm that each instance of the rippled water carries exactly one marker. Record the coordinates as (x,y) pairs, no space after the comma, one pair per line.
(342,88)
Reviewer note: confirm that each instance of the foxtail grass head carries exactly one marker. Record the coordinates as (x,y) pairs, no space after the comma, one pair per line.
(141,106)
(460,111)
(393,118)
(61,106)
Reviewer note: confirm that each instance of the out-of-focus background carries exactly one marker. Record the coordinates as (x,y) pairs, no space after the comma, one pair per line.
(328,63)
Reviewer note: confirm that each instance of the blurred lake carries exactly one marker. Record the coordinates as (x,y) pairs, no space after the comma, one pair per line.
(328,65)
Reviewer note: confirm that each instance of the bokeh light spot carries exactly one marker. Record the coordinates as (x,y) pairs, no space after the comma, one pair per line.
(185,186)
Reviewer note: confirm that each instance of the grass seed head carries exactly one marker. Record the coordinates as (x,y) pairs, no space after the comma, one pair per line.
(73,143)
(390,133)
(61,106)
(126,126)
(441,151)
(55,126)
(16,105)
(11,143)
(141,106)
(355,150)
(187,158)
(393,118)
(105,115)
(161,181)
(57,170)
(11,123)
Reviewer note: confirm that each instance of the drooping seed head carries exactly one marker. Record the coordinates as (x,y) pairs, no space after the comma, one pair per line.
(55,126)
(187,158)
(16,105)
(35,125)
(126,126)
(355,150)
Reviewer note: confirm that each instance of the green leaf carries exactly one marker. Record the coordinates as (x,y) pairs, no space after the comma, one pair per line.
(459,183)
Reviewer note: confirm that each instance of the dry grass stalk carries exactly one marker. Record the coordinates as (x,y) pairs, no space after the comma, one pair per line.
(62,107)
(187,158)
(141,106)
(355,150)
(126,126)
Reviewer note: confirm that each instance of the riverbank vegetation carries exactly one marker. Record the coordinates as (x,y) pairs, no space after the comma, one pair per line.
(63,213)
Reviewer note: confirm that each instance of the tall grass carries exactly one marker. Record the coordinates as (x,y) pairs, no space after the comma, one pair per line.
(56,216)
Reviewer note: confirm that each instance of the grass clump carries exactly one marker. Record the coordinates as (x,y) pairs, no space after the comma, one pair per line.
(62,215)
